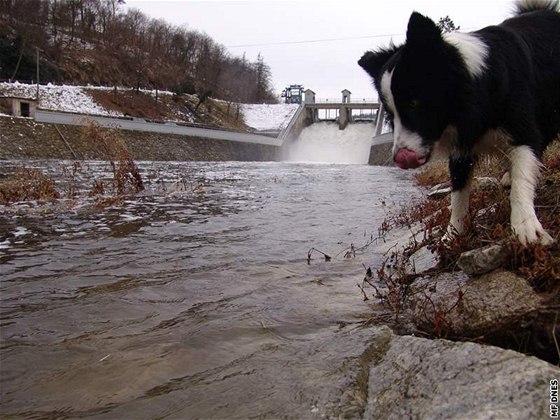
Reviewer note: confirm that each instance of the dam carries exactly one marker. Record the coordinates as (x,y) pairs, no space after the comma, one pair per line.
(337,130)
(339,124)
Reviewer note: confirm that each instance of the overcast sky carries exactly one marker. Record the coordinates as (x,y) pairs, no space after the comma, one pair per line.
(313,42)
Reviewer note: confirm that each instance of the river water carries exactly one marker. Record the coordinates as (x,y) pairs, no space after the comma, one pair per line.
(193,299)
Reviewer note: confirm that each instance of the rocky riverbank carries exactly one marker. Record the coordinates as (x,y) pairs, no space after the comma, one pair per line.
(23,138)
(497,301)
(459,345)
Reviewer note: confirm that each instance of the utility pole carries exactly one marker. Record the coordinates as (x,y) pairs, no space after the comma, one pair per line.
(37,48)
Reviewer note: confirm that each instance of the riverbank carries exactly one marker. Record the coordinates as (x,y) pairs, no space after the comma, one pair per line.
(23,138)
(482,286)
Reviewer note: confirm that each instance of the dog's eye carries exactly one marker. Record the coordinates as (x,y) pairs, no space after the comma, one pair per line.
(414,104)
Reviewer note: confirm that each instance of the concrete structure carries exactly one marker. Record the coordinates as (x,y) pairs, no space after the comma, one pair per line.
(308,113)
(346,96)
(310,99)
(139,124)
(305,115)
(309,96)
(343,109)
(22,107)
(299,121)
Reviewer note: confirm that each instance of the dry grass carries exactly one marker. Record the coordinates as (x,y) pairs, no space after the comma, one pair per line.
(126,176)
(27,184)
(32,184)
(144,105)
(488,221)
(437,172)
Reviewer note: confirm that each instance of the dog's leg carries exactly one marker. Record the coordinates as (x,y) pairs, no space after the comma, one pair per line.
(525,168)
(461,169)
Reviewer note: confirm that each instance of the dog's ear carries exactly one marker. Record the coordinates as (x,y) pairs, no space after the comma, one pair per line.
(373,61)
(422,30)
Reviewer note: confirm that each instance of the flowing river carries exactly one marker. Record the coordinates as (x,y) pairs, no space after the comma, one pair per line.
(193,299)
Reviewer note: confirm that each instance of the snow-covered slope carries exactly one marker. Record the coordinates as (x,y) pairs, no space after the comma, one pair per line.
(268,117)
(57,98)
(76,99)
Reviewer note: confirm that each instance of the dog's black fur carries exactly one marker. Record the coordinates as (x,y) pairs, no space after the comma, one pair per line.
(452,91)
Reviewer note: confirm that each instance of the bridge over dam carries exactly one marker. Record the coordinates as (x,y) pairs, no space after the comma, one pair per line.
(343,112)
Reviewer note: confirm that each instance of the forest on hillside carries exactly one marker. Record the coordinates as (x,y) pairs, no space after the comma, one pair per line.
(102,42)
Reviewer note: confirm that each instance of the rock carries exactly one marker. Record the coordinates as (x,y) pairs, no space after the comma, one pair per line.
(482,260)
(422,260)
(470,307)
(421,378)
(485,183)
(506,180)
(439,191)
(386,376)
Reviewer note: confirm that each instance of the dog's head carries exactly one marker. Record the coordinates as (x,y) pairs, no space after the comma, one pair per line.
(418,83)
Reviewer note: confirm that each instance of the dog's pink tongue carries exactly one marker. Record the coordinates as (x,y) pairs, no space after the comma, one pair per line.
(408,159)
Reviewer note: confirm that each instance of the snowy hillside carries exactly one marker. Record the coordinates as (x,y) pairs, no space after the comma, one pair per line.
(268,117)
(76,99)
(57,98)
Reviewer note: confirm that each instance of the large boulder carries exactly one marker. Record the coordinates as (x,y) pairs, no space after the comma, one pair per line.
(482,260)
(458,305)
(421,378)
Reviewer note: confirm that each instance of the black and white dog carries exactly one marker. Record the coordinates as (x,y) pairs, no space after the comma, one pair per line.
(466,94)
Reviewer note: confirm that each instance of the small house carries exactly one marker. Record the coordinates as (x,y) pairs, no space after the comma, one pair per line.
(309,96)
(346,94)
(19,107)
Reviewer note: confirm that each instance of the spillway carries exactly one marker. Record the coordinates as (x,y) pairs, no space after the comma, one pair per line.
(324,142)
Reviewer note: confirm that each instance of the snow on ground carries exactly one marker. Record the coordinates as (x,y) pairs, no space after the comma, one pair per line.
(76,99)
(57,98)
(268,117)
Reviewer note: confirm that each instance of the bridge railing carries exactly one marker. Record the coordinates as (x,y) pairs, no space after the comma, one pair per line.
(339,101)
(139,124)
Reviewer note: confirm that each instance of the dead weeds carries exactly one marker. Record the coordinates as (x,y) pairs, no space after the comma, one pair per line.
(487,223)
(126,176)
(33,184)
(27,184)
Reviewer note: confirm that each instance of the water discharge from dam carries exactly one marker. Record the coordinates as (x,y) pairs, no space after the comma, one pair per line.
(324,142)
(194,299)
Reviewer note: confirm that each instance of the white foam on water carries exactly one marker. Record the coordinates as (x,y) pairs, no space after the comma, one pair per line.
(21,231)
(324,142)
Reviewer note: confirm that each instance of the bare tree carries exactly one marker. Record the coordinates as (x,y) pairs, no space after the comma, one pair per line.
(125,46)
(446,24)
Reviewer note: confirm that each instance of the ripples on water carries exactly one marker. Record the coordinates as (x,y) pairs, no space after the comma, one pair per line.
(193,299)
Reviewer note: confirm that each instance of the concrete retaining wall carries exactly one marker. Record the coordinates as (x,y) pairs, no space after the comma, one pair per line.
(141,125)
(380,155)
(299,121)
(22,138)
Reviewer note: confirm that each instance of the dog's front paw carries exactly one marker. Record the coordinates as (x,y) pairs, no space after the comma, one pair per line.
(450,234)
(530,231)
